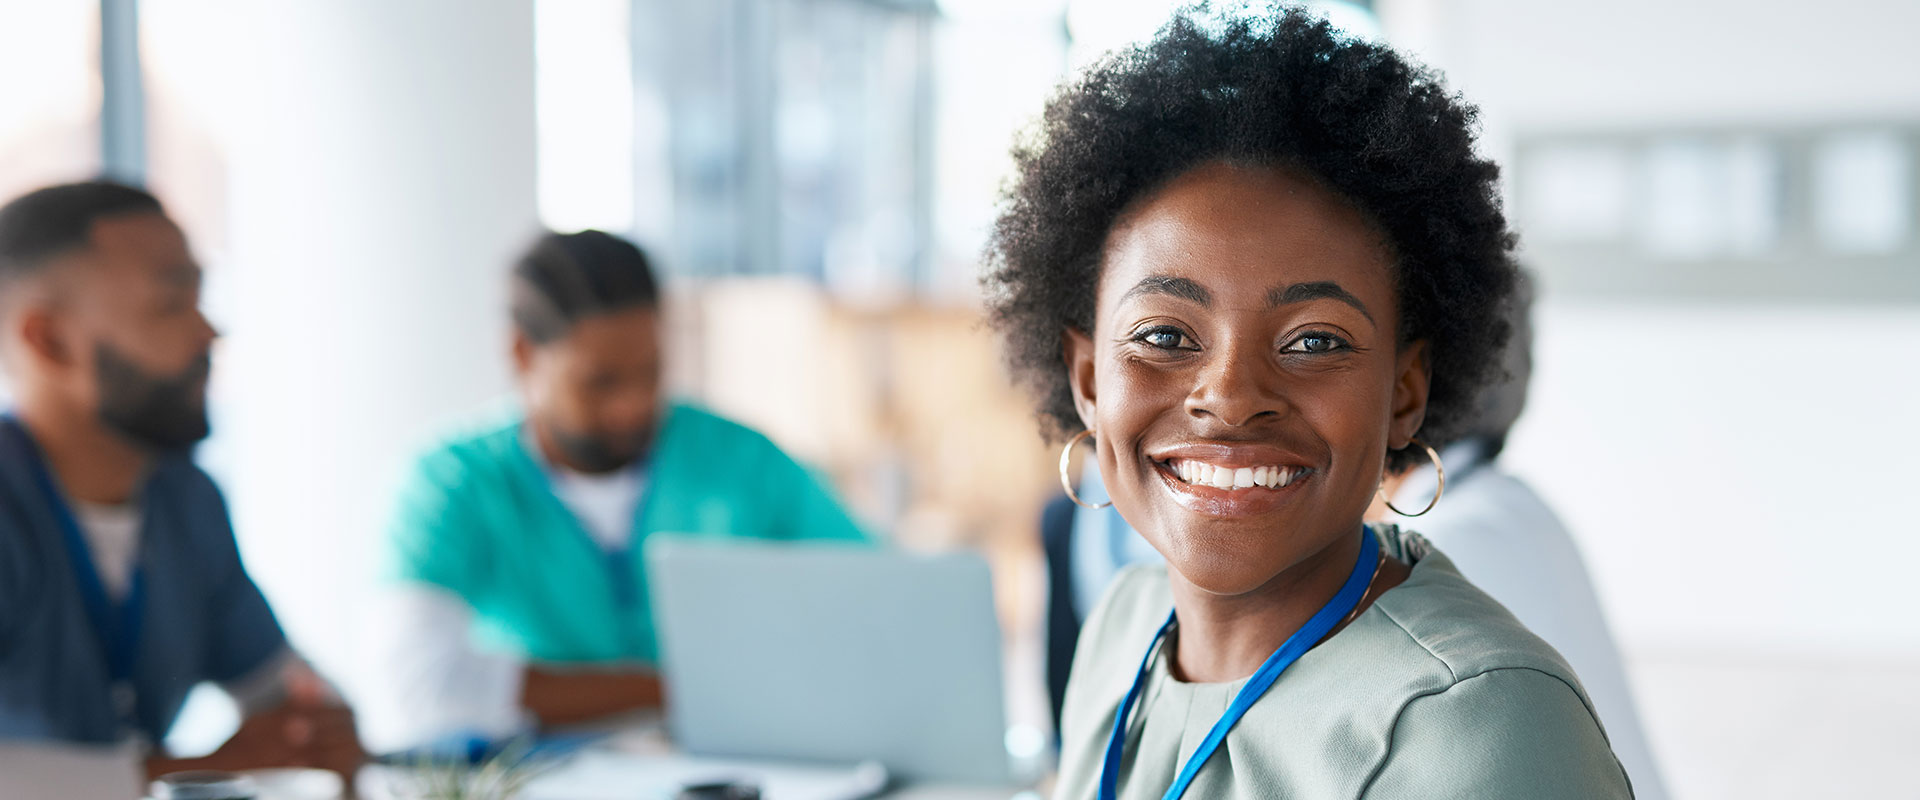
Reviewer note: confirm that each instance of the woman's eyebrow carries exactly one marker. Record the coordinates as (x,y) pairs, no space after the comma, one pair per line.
(1169,285)
(1314,290)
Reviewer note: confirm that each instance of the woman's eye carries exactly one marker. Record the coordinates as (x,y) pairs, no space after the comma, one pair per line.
(1165,339)
(1317,343)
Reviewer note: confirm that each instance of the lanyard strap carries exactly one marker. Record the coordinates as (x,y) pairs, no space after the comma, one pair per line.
(116,628)
(1322,622)
(619,562)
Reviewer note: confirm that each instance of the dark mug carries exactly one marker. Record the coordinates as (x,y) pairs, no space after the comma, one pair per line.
(719,790)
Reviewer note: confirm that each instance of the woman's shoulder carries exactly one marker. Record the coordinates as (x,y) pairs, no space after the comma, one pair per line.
(1112,643)
(1118,631)
(1452,621)
(1506,732)
(1483,706)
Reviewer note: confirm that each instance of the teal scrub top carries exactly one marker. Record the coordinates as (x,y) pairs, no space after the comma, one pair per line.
(476,516)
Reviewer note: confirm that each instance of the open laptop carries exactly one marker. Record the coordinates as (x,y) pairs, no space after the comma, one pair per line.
(831,653)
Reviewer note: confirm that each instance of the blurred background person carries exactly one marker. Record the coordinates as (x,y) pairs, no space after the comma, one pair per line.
(517,542)
(120,585)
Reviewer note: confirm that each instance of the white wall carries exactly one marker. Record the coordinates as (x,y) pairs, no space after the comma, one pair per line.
(1738,475)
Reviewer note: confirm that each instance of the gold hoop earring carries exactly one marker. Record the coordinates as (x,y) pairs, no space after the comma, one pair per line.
(1066,462)
(1438,469)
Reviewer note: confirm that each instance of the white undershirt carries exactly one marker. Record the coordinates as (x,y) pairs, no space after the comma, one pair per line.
(604,504)
(113,537)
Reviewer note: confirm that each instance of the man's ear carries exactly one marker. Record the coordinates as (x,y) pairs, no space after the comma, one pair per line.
(1076,349)
(1412,379)
(522,354)
(46,342)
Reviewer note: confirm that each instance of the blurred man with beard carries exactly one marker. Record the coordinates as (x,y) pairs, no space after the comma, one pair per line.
(120,585)
(520,597)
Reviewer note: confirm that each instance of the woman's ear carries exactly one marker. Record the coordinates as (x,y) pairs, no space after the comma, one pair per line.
(1413,376)
(1076,349)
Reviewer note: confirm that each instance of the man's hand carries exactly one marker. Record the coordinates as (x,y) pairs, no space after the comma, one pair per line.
(567,698)
(310,729)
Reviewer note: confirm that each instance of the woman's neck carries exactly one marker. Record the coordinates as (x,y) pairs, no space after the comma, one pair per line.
(1227,637)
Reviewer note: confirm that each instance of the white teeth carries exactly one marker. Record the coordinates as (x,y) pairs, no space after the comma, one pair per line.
(1199,473)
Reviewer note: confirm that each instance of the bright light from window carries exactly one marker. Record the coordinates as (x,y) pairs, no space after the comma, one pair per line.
(583,85)
(49,94)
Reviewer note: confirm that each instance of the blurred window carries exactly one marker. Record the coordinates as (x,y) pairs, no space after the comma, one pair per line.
(1863,192)
(1708,198)
(1580,192)
(791,136)
(1802,211)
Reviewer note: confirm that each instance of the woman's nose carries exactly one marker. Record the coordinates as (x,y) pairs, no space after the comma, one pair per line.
(1237,386)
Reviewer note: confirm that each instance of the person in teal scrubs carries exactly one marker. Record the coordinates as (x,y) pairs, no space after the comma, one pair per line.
(518,593)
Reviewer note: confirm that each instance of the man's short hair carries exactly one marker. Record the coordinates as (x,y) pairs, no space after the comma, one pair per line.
(45,224)
(564,278)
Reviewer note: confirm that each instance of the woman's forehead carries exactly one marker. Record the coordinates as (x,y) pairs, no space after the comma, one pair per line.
(1240,234)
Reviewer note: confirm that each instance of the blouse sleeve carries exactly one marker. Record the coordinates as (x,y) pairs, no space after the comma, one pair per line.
(1508,733)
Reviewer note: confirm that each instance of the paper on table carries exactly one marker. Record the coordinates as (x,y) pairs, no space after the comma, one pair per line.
(599,775)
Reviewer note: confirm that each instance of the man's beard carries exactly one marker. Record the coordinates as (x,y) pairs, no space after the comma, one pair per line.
(598,453)
(165,412)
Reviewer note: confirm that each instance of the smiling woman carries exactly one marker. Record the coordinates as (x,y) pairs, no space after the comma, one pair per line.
(1260,265)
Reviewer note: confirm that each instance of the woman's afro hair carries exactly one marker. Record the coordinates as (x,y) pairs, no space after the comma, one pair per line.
(1283,89)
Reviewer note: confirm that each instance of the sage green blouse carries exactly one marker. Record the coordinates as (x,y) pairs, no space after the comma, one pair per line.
(1435,691)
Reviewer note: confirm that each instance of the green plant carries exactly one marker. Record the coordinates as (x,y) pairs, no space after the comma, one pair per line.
(501,776)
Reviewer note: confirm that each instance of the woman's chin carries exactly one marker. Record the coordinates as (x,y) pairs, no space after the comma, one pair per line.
(1231,560)
(1223,576)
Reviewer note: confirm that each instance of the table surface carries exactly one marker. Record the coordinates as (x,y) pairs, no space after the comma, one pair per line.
(636,760)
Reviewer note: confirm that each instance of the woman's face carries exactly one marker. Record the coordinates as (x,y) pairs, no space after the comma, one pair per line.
(1242,377)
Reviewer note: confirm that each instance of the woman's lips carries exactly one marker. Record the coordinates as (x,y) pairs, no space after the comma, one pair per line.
(1280,485)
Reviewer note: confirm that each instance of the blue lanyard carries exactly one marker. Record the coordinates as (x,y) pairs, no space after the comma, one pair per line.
(117,629)
(618,561)
(1317,627)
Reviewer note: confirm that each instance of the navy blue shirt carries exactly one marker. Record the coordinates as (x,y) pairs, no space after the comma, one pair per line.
(202,618)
